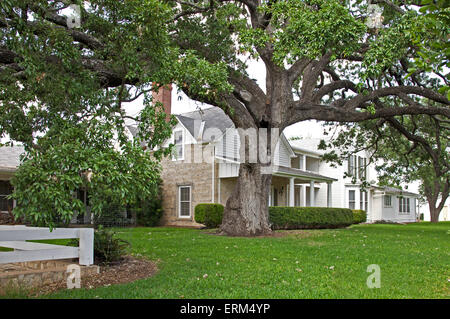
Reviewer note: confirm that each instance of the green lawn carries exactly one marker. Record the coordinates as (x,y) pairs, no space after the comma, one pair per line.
(414,261)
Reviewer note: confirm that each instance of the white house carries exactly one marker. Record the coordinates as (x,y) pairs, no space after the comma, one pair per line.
(299,176)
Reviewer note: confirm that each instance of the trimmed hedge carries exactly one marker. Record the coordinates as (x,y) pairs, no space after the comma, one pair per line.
(309,217)
(209,215)
(359,216)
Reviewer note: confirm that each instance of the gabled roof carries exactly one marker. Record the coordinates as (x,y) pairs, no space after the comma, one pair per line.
(214,118)
(10,157)
(396,191)
(307,145)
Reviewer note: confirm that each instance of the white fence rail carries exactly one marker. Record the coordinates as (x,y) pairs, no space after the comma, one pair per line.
(15,237)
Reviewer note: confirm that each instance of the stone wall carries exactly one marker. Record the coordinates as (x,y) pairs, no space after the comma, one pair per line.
(184,173)
(28,275)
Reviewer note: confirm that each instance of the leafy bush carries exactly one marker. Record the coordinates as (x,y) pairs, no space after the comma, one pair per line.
(209,215)
(359,216)
(150,211)
(284,217)
(108,247)
(309,217)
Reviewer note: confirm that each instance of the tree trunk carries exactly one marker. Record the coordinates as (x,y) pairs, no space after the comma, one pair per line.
(247,212)
(434,212)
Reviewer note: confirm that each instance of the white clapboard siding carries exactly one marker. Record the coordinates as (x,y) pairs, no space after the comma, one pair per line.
(228,147)
(229,144)
(282,155)
(228,170)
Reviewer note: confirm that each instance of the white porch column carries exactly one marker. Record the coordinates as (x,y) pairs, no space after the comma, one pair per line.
(311,194)
(304,162)
(303,197)
(329,195)
(291,192)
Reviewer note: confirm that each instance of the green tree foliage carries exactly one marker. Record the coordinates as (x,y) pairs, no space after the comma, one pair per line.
(405,149)
(321,60)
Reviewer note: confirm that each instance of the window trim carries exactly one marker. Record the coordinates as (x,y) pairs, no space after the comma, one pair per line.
(3,197)
(404,206)
(174,156)
(363,200)
(384,201)
(354,199)
(179,201)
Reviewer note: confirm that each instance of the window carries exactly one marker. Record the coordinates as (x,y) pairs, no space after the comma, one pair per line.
(184,205)
(179,145)
(403,205)
(362,162)
(363,200)
(351,199)
(387,201)
(351,170)
(5,190)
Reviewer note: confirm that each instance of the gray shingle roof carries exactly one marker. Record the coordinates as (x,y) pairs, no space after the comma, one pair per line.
(10,157)
(214,118)
(397,191)
(307,144)
(301,173)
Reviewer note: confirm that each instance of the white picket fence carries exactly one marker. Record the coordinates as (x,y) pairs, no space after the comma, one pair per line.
(15,237)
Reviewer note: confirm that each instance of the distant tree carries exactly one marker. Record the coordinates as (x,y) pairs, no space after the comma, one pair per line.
(405,149)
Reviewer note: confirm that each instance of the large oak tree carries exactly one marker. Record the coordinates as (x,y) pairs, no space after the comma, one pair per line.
(322,62)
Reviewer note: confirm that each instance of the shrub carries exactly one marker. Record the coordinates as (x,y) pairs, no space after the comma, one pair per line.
(150,210)
(284,217)
(309,217)
(209,215)
(107,247)
(150,213)
(359,216)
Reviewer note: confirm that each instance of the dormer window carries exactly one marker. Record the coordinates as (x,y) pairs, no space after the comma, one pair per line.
(178,140)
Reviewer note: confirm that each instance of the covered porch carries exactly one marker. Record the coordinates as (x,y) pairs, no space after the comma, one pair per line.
(290,186)
(298,188)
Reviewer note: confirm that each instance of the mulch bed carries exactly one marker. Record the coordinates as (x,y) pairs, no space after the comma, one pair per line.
(127,270)
(5,219)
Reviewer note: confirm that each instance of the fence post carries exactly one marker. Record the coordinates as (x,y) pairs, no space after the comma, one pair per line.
(86,246)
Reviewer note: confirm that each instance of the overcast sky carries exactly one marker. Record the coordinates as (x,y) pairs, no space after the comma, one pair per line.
(182,104)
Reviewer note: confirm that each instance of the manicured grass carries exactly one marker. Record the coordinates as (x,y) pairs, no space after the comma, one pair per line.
(414,261)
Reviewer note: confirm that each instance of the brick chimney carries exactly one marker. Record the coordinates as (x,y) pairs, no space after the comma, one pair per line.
(164,95)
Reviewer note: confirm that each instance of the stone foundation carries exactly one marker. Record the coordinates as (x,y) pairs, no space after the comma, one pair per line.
(28,275)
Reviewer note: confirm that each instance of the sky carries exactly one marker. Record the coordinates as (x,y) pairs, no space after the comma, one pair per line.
(182,104)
